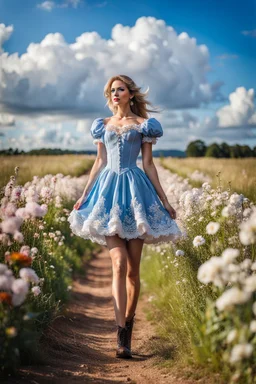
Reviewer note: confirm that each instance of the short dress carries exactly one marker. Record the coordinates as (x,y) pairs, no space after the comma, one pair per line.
(123,200)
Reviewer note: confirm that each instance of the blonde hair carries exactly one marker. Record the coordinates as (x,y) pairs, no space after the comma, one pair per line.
(140,104)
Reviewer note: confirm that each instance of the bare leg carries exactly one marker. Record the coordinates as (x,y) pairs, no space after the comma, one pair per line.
(134,247)
(119,255)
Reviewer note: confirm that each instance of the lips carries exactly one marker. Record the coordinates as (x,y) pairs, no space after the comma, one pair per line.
(116,99)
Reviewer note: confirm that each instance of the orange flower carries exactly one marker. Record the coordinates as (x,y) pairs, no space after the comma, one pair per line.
(20,258)
(6,298)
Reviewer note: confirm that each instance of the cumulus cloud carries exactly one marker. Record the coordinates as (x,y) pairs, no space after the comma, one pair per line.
(233,122)
(241,110)
(56,77)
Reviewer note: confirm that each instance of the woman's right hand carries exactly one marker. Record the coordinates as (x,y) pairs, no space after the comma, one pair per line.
(79,202)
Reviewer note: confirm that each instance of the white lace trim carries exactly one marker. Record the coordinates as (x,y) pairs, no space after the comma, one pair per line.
(147,139)
(96,141)
(123,129)
(155,228)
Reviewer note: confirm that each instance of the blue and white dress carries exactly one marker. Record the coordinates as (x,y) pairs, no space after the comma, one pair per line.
(123,200)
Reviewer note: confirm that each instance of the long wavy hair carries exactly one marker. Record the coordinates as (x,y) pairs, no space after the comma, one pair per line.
(140,104)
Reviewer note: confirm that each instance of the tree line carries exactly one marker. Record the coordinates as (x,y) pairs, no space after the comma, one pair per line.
(198,148)
(195,148)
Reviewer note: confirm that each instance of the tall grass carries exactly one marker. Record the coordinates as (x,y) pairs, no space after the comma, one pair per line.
(73,165)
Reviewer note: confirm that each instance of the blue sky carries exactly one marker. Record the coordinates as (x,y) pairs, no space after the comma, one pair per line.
(226,28)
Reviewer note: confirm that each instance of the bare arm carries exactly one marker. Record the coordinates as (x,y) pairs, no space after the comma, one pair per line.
(99,164)
(151,171)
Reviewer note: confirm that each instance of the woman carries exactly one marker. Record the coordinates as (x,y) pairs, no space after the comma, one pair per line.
(120,205)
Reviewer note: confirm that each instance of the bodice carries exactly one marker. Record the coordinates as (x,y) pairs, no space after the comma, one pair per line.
(123,143)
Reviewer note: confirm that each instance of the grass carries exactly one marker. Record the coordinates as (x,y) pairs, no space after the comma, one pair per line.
(73,165)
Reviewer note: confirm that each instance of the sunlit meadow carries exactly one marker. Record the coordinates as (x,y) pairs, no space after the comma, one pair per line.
(202,290)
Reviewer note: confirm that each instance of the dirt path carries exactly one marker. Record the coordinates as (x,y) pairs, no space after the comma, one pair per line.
(80,344)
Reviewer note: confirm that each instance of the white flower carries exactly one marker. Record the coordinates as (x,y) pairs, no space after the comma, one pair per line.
(198,240)
(229,210)
(236,199)
(212,227)
(211,271)
(11,225)
(52,266)
(179,252)
(18,236)
(240,352)
(25,249)
(254,308)
(232,297)
(246,264)
(34,251)
(36,290)
(231,336)
(230,254)
(253,326)
(247,234)
(20,287)
(35,210)
(29,275)
(250,283)
(5,282)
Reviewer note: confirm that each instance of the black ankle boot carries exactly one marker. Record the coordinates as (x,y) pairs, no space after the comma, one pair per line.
(129,326)
(122,349)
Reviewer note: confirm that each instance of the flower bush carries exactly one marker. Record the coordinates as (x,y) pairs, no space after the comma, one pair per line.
(37,257)
(204,286)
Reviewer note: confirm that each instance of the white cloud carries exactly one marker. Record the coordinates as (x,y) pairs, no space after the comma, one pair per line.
(5,33)
(240,110)
(46,5)
(6,120)
(50,5)
(56,77)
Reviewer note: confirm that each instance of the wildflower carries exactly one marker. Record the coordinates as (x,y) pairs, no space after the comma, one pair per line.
(18,237)
(230,254)
(198,240)
(211,271)
(6,297)
(253,326)
(212,227)
(11,225)
(36,290)
(11,331)
(250,283)
(231,336)
(179,252)
(240,352)
(28,274)
(20,287)
(231,297)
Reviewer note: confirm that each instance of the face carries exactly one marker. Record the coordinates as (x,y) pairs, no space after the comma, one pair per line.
(120,94)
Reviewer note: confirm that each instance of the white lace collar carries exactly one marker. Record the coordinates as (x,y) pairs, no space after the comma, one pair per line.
(124,128)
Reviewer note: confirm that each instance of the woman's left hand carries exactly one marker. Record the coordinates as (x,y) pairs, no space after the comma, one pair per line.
(170,209)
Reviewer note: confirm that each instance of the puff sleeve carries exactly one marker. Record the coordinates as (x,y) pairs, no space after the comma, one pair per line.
(97,130)
(151,130)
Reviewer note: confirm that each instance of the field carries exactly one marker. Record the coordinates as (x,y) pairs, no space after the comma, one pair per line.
(237,174)
(200,292)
